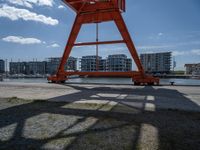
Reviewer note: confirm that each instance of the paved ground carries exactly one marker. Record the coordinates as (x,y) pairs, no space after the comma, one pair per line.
(140,97)
(98,117)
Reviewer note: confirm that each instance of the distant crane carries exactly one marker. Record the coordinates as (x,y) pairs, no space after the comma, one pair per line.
(96,11)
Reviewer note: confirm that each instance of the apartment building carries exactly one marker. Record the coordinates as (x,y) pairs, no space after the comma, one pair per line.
(156,62)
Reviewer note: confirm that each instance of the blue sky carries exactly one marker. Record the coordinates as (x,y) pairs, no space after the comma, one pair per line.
(31,29)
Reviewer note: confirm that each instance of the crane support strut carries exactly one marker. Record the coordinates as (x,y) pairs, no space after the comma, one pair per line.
(97,11)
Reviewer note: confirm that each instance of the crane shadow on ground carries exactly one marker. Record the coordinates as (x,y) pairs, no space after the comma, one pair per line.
(124,118)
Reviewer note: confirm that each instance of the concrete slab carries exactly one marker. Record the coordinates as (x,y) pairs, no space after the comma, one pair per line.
(138,97)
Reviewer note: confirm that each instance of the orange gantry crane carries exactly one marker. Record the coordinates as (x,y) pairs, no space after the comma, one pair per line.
(97,11)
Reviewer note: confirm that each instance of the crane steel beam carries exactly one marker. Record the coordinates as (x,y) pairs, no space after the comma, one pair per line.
(99,43)
(96,11)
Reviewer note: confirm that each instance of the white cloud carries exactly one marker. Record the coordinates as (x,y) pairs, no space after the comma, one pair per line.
(44,2)
(21,3)
(21,40)
(189,52)
(30,3)
(156,36)
(160,34)
(14,13)
(179,53)
(61,7)
(153,47)
(54,45)
(196,52)
(187,43)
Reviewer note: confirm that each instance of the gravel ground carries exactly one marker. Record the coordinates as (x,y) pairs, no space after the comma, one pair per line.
(28,124)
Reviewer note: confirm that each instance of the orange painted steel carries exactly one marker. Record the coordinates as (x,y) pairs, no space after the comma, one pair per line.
(97,11)
(100,43)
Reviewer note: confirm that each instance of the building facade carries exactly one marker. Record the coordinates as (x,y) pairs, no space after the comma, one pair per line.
(156,62)
(192,69)
(2,66)
(119,62)
(41,67)
(18,68)
(52,65)
(28,68)
(88,63)
(71,64)
(34,67)
(103,65)
(54,62)
(116,63)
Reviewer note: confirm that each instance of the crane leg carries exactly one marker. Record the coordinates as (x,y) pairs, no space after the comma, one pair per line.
(142,79)
(60,76)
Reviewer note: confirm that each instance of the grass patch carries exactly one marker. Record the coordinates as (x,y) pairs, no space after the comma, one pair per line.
(17,100)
